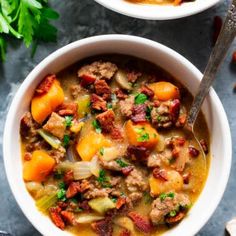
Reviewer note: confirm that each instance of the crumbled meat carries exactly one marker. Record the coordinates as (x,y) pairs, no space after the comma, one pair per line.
(142,223)
(136,196)
(139,153)
(98,103)
(160,174)
(204,145)
(146,90)
(55,125)
(69,217)
(95,192)
(121,94)
(37,145)
(110,165)
(139,113)
(133,75)
(103,227)
(75,90)
(102,89)
(98,70)
(68,109)
(115,181)
(56,217)
(45,85)
(161,208)
(28,127)
(153,161)
(135,182)
(126,106)
(166,114)
(58,154)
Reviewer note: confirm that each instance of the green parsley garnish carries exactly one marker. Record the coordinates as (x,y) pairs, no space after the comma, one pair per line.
(159,118)
(147,198)
(68,121)
(163,196)
(61,194)
(103,179)
(148,112)
(121,163)
(172,213)
(58,174)
(97,126)
(109,105)
(27,20)
(114,199)
(101,151)
(61,185)
(143,137)
(66,140)
(140,98)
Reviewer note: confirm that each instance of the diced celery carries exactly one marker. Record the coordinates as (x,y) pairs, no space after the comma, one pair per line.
(83,106)
(102,204)
(52,140)
(46,201)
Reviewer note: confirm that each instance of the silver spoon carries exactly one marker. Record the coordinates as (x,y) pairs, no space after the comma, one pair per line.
(225,38)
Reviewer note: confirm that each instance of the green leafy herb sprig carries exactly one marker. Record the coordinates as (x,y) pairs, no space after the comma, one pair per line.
(28,20)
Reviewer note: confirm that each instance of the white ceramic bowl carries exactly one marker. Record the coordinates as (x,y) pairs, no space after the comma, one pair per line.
(168,59)
(157,12)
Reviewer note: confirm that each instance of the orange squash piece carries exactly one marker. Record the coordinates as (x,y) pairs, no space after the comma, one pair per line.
(164,90)
(43,105)
(39,167)
(141,134)
(90,144)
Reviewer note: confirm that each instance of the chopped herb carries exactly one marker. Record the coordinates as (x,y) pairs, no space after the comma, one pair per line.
(77,210)
(101,151)
(61,194)
(61,185)
(121,163)
(97,126)
(159,118)
(74,200)
(147,198)
(66,140)
(114,199)
(140,98)
(163,196)
(143,137)
(172,213)
(109,105)
(68,121)
(103,179)
(154,135)
(139,130)
(113,97)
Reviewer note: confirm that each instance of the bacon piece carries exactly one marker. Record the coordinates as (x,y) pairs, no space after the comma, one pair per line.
(160,174)
(103,227)
(120,94)
(120,202)
(69,217)
(193,151)
(146,90)
(133,75)
(106,120)
(98,103)
(56,217)
(87,80)
(45,85)
(62,205)
(137,152)
(68,177)
(73,189)
(139,113)
(175,219)
(204,146)
(67,109)
(116,134)
(126,170)
(125,232)
(102,89)
(141,222)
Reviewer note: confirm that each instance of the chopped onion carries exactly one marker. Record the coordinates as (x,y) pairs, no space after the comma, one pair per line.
(65,166)
(112,153)
(126,223)
(88,218)
(94,166)
(70,154)
(81,170)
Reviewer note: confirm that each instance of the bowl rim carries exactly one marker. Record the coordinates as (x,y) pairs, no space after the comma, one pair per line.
(105,38)
(157,12)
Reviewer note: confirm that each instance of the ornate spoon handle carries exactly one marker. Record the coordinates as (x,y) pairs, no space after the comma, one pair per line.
(222,45)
